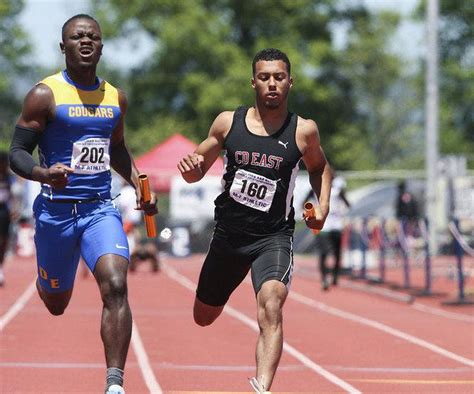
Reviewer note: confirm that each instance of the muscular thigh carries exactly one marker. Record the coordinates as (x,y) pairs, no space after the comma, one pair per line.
(273,260)
(223,270)
(104,235)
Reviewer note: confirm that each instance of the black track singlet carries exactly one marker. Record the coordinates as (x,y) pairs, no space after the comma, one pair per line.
(259,179)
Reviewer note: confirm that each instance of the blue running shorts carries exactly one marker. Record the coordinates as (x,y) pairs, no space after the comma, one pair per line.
(67,231)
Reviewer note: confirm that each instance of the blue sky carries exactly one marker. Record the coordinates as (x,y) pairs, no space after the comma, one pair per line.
(43,19)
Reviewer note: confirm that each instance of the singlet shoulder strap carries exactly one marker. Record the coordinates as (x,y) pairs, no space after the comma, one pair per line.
(239,114)
(238,120)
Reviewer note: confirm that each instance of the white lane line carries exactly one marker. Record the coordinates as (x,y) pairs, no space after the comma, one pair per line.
(136,341)
(144,362)
(18,305)
(403,297)
(439,312)
(403,370)
(54,365)
(380,326)
(185,282)
(231,368)
(163,365)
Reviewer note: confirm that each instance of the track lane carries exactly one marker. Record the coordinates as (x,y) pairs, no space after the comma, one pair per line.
(183,356)
(397,355)
(59,354)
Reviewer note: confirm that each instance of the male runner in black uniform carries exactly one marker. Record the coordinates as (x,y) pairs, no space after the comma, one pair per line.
(255,217)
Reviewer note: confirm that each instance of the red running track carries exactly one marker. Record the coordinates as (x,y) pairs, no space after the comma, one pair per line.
(343,340)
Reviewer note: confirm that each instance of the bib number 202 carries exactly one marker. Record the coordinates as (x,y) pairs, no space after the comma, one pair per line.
(92,155)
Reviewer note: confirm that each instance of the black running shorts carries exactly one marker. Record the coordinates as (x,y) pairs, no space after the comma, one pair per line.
(231,256)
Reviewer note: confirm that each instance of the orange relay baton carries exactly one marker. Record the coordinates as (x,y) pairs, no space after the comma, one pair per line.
(146,197)
(309,212)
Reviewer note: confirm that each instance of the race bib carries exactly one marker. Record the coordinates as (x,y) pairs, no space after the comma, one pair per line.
(90,156)
(253,190)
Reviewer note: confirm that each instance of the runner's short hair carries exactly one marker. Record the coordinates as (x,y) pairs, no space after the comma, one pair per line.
(269,54)
(72,18)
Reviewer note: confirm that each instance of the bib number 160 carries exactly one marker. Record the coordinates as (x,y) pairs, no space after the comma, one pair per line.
(253,189)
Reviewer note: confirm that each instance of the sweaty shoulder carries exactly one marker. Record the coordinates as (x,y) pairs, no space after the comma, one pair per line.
(222,124)
(307,134)
(40,92)
(38,107)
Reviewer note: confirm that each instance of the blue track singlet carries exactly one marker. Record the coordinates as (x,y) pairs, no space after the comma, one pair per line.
(79,136)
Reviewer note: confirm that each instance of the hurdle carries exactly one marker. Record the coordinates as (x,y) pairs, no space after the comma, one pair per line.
(426,291)
(382,244)
(460,248)
(363,243)
(402,239)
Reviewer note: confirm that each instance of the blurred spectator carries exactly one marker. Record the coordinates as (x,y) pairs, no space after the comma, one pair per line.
(5,200)
(406,205)
(145,251)
(24,193)
(330,236)
(406,211)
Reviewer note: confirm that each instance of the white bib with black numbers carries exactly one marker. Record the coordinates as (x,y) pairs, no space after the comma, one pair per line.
(253,190)
(90,156)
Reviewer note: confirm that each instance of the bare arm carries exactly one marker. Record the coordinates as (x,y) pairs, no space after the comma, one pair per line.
(38,109)
(195,165)
(122,161)
(120,157)
(308,142)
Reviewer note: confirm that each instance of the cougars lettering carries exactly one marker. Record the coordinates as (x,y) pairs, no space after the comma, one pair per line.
(90,111)
(258,159)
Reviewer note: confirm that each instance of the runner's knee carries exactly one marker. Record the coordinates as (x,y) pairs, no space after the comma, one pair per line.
(55,306)
(269,312)
(113,288)
(205,315)
(56,303)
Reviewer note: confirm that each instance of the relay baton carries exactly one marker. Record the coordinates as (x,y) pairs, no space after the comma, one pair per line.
(309,212)
(146,197)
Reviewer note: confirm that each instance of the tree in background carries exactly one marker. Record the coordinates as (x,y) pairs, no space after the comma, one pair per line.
(202,62)
(13,50)
(456,73)
(457,76)
(384,134)
(366,103)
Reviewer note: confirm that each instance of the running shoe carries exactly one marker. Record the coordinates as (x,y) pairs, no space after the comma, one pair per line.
(115,389)
(257,386)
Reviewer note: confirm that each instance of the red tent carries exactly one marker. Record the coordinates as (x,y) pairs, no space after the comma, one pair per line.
(160,162)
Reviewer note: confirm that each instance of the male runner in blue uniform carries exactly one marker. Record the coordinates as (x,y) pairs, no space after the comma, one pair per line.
(77,121)
(255,216)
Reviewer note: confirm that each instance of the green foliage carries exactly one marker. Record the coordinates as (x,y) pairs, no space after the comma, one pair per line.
(147,136)
(13,49)
(204,50)
(383,99)
(368,109)
(456,60)
(457,74)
